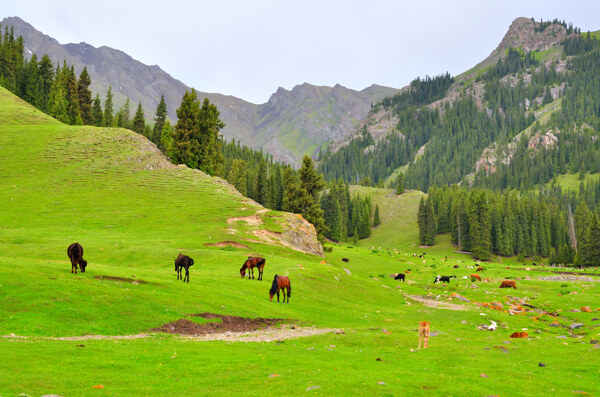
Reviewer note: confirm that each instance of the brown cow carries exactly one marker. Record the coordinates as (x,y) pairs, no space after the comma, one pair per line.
(508,284)
(75,252)
(480,269)
(519,335)
(475,277)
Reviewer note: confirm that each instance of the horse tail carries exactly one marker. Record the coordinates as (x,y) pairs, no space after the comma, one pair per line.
(192,261)
(274,286)
(261,262)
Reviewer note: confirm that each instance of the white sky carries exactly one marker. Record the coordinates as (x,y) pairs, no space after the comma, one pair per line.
(250,48)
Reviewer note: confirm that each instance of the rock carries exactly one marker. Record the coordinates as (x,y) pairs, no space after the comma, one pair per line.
(595,319)
(339,332)
(594,341)
(575,311)
(575,325)
(561,337)
(347,271)
(463,322)
(381,383)
(484,375)
(313,388)
(378,359)
(542,364)
(274,376)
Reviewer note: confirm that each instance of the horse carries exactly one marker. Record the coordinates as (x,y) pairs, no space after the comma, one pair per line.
(75,253)
(280,283)
(183,261)
(250,264)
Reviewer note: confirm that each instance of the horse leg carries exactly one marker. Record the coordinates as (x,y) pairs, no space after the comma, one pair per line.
(278,296)
(260,274)
(252,270)
(187,275)
(288,294)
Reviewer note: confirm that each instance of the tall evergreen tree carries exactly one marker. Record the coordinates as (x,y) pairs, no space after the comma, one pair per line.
(139,124)
(108,118)
(85,97)
(210,140)
(159,121)
(376,219)
(46,73)
(400,183)
(98,115)
(186,134)
(72,96)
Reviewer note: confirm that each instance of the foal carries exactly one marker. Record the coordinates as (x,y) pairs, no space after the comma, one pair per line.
(424,333)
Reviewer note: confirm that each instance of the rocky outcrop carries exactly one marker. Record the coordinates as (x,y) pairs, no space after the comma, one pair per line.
(545,141)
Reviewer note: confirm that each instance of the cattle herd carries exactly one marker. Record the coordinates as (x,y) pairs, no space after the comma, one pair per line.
(75,253)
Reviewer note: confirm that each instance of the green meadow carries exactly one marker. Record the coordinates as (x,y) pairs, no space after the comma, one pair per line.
(133,213)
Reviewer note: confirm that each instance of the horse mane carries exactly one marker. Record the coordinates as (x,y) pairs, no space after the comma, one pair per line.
(274,286)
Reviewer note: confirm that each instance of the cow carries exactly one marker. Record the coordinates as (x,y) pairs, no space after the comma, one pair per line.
(443,279)
(519,335)
(480,269)
(456,266)
(75,253)
(424,331)
(400,276)
(183,262)
(508,284)
(475,277)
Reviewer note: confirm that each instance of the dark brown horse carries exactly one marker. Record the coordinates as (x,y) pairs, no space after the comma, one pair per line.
(75,252)
(280,283)
(183,262)
(250,264)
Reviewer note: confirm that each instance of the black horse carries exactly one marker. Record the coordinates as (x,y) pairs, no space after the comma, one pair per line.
(75,253)
(183,261)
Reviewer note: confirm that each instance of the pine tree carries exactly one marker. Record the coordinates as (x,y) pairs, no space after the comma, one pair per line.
(166,139)
(72,96)
(310,180)
(262,193)
(57,99)
(400,183)
(159,121)
(97,114)
(126,115)
(46,73)
(479,225)
(85,97)
(108,119)
(210,140)
(139,124)
(376,220)
(422,221)
(430,223)
(238,175)
(186,134)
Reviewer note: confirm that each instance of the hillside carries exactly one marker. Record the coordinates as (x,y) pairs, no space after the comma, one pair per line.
(291,124)
(468,129)
(133,213)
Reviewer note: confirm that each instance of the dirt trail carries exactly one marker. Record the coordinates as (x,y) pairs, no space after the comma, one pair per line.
(268,335)
(436,304)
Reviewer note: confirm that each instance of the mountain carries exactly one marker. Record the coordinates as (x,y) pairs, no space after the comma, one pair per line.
(289,125)
(525,114)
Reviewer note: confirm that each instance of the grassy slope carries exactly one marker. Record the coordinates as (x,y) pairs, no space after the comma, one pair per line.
(60,184)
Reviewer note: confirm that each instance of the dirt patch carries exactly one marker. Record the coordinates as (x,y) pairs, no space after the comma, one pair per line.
(227,324)
(251,220)
(436,304)
(123,279)
(233,244)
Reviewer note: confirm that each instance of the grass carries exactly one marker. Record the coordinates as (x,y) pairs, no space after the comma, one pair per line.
(571,182)
(62,184)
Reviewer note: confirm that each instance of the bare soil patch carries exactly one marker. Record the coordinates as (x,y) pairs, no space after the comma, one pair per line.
(227,324)
(251,220)
(233,244)
(124,279)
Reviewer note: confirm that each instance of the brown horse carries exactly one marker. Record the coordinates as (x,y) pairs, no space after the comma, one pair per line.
(250,264)
(75,253)
(280,283)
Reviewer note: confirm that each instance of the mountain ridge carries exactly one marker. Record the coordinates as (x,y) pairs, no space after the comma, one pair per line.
(287,138)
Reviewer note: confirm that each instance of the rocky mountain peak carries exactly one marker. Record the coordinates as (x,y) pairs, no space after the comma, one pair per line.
(522,34)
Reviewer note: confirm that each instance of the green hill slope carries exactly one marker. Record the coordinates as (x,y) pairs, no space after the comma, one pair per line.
(133,213)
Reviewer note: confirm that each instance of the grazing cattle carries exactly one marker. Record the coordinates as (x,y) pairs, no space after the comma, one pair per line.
(519,335)
(251,263)
(345,260)
(280,283)
(424,333)
(400,276)
(456,266)
(480,269)
(183,262)
(475,277)
(508,284)
(75,253)
(443,279)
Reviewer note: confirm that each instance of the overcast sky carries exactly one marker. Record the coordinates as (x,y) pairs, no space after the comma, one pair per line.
(250,48)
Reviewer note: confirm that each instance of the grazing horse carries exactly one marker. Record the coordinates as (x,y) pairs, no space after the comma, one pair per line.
(183,262)
(250,264)
(424,333)
(75,252)
(280,283)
